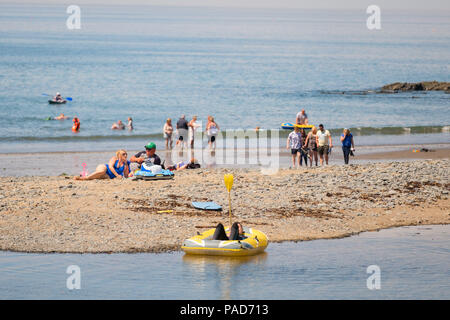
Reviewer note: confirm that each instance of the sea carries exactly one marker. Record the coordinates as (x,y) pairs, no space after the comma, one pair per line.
(247,68)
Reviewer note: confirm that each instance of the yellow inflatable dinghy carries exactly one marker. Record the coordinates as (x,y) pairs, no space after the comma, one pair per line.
(253,242)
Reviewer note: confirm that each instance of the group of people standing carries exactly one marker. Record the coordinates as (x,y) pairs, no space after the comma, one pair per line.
(316,144)
(185,131)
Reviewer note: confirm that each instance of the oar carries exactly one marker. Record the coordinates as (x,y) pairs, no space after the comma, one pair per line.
(228,178)
(48,95)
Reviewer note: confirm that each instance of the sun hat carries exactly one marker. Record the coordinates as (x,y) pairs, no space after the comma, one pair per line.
(150,145)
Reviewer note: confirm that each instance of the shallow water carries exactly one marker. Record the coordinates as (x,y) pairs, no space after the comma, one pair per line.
(413,261)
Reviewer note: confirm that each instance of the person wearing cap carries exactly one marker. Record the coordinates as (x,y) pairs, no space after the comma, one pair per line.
(324,143)
(148,156)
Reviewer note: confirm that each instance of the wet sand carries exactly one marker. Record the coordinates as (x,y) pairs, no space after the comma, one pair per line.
(58,214)
(432,154)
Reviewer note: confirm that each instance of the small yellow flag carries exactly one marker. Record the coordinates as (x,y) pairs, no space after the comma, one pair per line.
(228,178)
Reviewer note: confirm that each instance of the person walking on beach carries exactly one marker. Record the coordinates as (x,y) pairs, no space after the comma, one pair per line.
(311,145)
(193,125)
(348,145)
(117,167)
(148,156)
(168,130)
(212,129)
(303,151)
(182,131)
(294,142)
(324,143)
(301,118)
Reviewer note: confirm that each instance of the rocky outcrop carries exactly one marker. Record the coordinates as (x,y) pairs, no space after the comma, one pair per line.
(418,86)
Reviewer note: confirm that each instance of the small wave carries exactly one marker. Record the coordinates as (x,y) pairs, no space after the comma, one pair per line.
(360,131)
(78,137)
(368,131)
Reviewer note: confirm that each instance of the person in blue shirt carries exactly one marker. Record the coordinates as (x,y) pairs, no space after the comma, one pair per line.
(117,167)
(348,145)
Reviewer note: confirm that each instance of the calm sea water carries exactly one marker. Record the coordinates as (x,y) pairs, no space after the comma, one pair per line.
(413,264)
(248,68)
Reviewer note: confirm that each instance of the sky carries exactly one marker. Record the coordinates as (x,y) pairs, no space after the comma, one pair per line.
(410,5)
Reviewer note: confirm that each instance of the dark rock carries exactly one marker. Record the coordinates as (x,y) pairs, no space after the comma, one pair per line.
(418,86)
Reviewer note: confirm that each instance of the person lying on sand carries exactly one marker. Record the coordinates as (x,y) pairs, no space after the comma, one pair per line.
(235,234)
(117,167)
(185,165)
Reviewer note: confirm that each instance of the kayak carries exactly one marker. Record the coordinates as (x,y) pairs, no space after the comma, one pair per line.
(56,102)
(290,126)
(254,242)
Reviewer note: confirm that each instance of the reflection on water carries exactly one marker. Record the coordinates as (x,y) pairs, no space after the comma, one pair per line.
(226,268)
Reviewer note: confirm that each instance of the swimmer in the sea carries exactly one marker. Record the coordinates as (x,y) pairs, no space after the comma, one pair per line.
(61,117)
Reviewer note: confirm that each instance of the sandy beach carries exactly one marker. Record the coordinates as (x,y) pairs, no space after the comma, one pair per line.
(58,214)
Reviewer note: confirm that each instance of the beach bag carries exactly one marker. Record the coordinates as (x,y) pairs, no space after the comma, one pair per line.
(153,169)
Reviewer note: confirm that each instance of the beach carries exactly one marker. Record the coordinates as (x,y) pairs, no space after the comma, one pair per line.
(58,214)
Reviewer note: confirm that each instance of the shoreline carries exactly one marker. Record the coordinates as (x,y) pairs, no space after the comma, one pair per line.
(58,214)
(72,163)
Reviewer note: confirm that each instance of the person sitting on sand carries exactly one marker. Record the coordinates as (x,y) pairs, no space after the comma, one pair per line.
(148,156)
(117,167)
(236,232)
(61,117)
(185,165)
(118,126)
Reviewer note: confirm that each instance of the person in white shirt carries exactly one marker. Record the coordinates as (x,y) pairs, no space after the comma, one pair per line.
(193,125)
(302,118)
(294,142)
(324,143)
